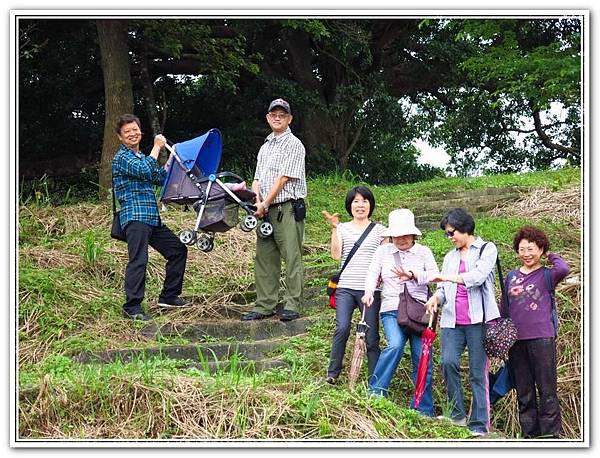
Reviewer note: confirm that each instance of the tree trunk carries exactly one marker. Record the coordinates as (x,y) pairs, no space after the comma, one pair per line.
(118,92)
(149,94)
(150,100)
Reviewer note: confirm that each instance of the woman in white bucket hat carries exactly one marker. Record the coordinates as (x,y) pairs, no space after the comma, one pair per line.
(401,264)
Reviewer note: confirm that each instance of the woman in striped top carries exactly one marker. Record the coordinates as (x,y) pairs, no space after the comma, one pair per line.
(401,264)
(360,204)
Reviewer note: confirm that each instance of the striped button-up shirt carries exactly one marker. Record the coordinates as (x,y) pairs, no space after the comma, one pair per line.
(478,279)
(282,155)
(134,177)
(418,258)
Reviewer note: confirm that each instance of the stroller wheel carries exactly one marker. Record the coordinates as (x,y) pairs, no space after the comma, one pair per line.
(248,223)
(265,229)
(205,243)
(187,237)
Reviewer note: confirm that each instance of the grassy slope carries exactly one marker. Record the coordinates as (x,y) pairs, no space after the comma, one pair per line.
(70,290)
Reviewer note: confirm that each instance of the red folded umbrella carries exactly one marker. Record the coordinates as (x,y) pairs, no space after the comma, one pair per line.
(427,338)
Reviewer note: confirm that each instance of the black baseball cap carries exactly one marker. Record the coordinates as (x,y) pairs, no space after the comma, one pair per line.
(281,104)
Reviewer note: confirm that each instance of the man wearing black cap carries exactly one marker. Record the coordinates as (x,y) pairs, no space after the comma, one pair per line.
(280,186)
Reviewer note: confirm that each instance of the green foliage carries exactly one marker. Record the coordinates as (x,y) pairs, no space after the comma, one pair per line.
(314,27)
(362,91)
(93,249)
(535,60)
(57,366)
(514,68)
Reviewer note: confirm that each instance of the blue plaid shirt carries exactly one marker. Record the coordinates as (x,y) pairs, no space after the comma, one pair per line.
(134,177)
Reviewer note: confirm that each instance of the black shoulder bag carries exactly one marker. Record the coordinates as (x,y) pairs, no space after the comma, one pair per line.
(116,232)
(334,279)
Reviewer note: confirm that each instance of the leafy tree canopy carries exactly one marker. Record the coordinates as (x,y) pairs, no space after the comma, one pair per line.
(362,90)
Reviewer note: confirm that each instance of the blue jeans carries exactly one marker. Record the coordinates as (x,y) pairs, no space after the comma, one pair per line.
(454,342)
(390,358)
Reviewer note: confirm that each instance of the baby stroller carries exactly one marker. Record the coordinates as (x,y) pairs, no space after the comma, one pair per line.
(193,180)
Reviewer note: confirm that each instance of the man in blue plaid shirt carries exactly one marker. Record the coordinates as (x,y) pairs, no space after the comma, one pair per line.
(134,178)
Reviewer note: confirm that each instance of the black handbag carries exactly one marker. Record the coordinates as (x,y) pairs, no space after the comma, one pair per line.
(116,231)
(333,280)
(500,336)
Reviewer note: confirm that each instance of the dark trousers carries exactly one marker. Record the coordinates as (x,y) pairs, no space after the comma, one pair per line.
(346,301)
(161,238)
(534,369)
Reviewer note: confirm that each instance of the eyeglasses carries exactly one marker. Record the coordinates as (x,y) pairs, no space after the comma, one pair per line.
(277,115)
(450,233)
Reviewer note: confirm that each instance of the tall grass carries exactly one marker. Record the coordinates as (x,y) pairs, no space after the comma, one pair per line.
(71,292)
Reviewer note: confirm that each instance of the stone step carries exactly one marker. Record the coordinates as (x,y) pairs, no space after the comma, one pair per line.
(196,352)
(475,203)
(438,196)
(257,330)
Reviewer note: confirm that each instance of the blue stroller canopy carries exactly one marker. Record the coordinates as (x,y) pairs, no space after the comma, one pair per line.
(201,156)
(203,151)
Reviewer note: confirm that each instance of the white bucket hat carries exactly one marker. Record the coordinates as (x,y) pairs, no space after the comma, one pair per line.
(401,222)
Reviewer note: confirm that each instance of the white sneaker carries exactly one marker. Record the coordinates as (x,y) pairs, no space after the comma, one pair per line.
(478,433)
(461,422)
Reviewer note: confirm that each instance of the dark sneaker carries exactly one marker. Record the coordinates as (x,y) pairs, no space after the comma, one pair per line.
(174,303)
(137,315)
(330,380)
(250,316)
(288,315)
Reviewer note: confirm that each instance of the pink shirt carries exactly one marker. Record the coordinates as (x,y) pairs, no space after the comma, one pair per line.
(418,258)
(462,299)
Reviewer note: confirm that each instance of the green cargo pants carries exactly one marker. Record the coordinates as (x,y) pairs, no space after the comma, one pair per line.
(285,244)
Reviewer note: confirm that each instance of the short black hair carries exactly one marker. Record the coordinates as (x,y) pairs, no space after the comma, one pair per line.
(363,191)
(126,119)
(460,220)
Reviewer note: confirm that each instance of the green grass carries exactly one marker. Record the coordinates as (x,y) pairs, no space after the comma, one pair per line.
(311,409)
(328,193)
(70,296)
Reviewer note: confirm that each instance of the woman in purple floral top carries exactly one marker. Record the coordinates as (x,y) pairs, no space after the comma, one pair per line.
(533,357)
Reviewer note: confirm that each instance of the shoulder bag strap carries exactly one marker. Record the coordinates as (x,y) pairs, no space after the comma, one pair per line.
(357,245)
(482,303)
(548,279)
(114,196)
(504,298)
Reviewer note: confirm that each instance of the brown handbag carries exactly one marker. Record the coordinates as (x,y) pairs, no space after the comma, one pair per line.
(412,314)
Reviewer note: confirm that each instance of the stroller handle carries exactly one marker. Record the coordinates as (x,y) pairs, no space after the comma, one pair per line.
(169,145)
